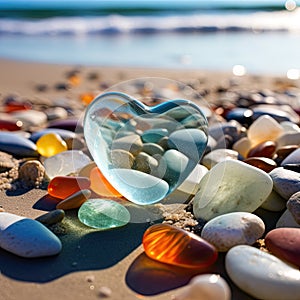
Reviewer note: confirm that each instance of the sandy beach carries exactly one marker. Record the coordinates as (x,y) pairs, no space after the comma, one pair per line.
(93,264)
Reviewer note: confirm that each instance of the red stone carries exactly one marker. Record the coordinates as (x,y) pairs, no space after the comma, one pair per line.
(171,245)
(64,186)
(265,164)
(264,149)
(10,125)
(285,244)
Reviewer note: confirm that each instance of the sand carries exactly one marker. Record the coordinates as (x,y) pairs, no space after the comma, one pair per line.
(96,265)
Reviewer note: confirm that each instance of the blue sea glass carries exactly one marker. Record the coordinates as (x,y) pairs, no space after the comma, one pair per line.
(116,121)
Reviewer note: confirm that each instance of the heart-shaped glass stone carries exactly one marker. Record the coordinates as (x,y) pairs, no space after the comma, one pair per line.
(144,152)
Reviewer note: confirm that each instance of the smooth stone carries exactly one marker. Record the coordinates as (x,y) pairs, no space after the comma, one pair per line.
(231,186)
(285,151)
(264,149)
(290,126)
(103,214)
(64,186)
(163,142)
(280,113)
(218,130)
(52,217)
(131,143)
(54,113)
(17,145)
(154,135)
(287,220)
(178,114)
(139,187)
(121,159)
(171,245)
(226,141)
(51,144)
(86,170)
(274,202)
(204,287)
(286,182)
(65,163)
(65,134)
(101,186)
(285,244)
(241,115)
(293,205)
(265,164)
(190,184)
(218,155)
(293,158)
(75,200)
(194,121)
(31,117)
(232,229)
(261,274)
(10,125)
(145,163)
(242,146)
(174,167)
(265,128)
(292,167)
(26,237)
(152,149)
(190,142)
(288,138)
(74,125)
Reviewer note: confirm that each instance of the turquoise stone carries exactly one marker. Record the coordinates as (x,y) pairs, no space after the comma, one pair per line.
(103,214)
(114,122)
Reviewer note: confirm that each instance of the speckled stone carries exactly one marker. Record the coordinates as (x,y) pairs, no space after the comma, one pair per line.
(285,244)
(286,182)
(261,274)
(32,173)
(232,229)
(26,237)
(231,186)
(121,158)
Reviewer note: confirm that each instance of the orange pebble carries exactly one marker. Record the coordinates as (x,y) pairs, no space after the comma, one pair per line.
(171,245)
(75,80)
(87,98)
(64,186)
(101,186)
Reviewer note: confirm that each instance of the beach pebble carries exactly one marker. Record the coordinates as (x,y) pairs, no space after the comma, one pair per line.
(10,125)
(31,117)
(73,124)
(288,138)
(54,113)
(286,182)
(205,287)
(293,205)
(287,220)
(154,135)
(262,275)
(231,186)
(52,217)
(103,214)
(171,245)
(17,145)
(293,158)
(285,244)
(218,155)
(121,158)
(153,149)
(26,237)
(131,143)
(145,163)
(274,202)
(65,163)
(75,200)
(218,130)
(190,142)
(64,134)
(51,144)
(265,128)
(190,184)
(285,151)
(139,187)
(264,149)
(289,126)
(232,229)
(242,146)
(32,173)
(265,164)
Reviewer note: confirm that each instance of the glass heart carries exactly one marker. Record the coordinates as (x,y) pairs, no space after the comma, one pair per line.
(144,152)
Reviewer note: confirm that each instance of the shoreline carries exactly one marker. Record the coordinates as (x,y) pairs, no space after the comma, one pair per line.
(117,260)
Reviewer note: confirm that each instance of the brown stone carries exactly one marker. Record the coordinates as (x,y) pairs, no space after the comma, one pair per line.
(75,200)
(263,163)
(285,151)
(264,149)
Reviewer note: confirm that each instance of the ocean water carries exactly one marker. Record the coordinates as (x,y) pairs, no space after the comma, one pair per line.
(263,36)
